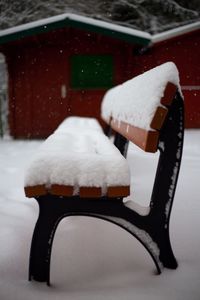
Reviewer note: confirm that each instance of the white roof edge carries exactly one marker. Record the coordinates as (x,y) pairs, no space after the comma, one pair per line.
(104,24)
(74,17)
(109,25)
(175,32)
(33,24)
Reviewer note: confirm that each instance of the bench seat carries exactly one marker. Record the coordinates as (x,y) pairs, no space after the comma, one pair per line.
(78,159)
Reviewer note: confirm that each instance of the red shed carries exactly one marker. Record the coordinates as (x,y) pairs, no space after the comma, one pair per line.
(182,46)
(63,65)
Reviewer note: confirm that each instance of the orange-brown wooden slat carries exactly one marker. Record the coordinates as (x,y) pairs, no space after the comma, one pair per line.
(146,140)
(90,192)
(61,190)
(169,94)
(152,139)
(35,191)
(159,118)
(118,191)
(84,192)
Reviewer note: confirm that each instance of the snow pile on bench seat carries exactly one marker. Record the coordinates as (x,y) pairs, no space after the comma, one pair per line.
(79,123)
(136,100)
(80,157)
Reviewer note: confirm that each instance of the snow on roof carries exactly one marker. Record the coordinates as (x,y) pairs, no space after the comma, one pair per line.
(64,20)
(135,101)
(106,28)
(156,38)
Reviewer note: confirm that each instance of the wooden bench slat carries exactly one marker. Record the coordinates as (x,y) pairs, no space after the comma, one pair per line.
(68,191)
(90,192)
(61,190)
(146,140)
(159,118)
(169,94)
(118,191)
(34,191)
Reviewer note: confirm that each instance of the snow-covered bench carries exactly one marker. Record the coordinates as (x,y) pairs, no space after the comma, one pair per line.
(79,171)
(78,159)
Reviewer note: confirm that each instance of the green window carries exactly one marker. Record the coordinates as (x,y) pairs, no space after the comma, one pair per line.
(91,71)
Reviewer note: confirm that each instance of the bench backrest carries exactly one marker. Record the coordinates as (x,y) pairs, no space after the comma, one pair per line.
(149,111)
(137,109)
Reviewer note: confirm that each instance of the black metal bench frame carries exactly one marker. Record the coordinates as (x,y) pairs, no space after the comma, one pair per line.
(151,230)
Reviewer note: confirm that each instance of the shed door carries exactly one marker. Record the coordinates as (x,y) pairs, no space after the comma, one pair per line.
(48,97)
(56,85)
(37,105)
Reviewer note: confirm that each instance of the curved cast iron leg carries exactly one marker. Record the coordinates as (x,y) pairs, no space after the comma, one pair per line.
(159,232)
(141,234)
(40,254)
(151,230)
(166,254)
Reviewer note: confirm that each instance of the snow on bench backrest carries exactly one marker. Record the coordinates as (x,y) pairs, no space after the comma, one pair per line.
(137,108)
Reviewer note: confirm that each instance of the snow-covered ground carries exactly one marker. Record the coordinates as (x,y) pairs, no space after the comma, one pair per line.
(93,259)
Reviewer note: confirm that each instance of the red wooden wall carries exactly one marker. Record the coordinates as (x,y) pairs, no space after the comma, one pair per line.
(184,51)
(38,67)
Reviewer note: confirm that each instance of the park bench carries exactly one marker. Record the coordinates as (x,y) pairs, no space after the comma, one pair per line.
(78,170)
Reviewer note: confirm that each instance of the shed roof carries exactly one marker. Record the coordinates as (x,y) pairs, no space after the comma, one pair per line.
(75,21)
(106,28)
(173,33)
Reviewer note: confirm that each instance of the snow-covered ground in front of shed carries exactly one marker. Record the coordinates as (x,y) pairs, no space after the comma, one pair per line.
(91,258)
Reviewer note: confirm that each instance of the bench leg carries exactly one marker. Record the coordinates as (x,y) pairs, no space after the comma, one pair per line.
(40,253)
(151,234)
(150,230)
(166,254)
(139,232)
(159,232)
